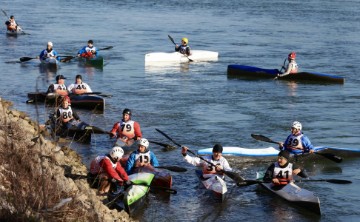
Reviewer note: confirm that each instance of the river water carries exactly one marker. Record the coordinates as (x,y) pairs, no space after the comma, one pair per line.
(196,103)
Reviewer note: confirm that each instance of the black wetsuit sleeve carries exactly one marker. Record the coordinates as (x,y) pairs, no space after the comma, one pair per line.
(269,173)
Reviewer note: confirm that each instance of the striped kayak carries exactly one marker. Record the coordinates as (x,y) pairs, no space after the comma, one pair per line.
(162,178)
(176,57)
(296,195)
(84,101)
(214,183)
(50,63)
(250,72)
(134,195)
(267,154)
(95,62)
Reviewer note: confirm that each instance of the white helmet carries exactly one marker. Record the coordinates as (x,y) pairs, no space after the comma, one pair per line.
(144,142)
(297,125)
(50,43)
(116,153)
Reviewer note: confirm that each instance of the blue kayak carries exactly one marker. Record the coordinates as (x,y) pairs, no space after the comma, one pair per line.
(250,72)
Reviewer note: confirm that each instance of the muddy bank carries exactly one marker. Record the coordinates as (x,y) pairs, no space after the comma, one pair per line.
(33,185)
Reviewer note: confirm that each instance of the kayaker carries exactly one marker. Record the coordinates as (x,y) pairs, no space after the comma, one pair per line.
(67,117)
(216,158)
(297,142)
(48,53)
(59,87)
(126,130)
(183,48)
(292,66)
(142,157)
(79,87)
(282,171)
(11,24)
(107,169)
(88,51)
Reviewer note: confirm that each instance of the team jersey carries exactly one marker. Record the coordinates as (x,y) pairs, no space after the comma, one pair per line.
(208,168)
(79,88)
(298,143)
(147,157)
(127,130)
(87,49)
(45,54)
(104,164)
(58,88)
(183,49)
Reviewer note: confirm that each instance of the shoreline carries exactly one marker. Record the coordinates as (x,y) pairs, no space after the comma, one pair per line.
(33,170)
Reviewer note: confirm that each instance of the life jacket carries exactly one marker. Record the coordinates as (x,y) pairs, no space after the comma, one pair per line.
(143,157)
(66,114)
(283,174)
(95,165)
(60,89)
(87,54)
(126,129)
(294,142)
(210,169)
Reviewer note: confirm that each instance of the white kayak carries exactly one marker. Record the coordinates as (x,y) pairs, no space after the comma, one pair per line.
(258,153)
(214,183)
(196,56)
(296,195)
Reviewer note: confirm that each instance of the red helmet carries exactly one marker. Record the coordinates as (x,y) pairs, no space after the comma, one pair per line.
(292,55)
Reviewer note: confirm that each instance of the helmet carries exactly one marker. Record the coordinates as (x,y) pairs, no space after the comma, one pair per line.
(116,153)
(66,98)
(217,148)
(127,111)
(144,142)
(292,55)
(185,40)
(297,125)
(50,44)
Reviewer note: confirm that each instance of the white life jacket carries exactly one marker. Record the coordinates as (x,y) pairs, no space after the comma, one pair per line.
(66,114)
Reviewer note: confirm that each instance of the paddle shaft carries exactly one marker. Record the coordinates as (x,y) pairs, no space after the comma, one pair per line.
(230,174)
(329,156)
(172,40)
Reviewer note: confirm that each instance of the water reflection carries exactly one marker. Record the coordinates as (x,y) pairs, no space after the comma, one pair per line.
(166,67)
(292,88)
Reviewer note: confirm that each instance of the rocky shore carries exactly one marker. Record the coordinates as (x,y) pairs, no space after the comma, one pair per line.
(34,176)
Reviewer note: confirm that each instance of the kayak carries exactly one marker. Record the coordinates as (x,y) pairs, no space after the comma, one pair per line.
(196,56)
(84,101)
(95,62)
(50,63)
(296,195)
(263,154)
(134,195)
(78,135)
(214,183)
(16,32)
(162,178)
(250,72)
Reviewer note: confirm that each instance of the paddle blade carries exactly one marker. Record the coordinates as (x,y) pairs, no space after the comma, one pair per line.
(338,181)
(67,59)
(106,48)
(234,176)
(262,138)
(331,156)
(173,168)
(171,39)
(24,59)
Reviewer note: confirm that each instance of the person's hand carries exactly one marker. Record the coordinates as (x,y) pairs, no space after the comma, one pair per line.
(311,151)
(275,181)
(281,145)
(184,150)
(112,135)
(218,168)
(296,171)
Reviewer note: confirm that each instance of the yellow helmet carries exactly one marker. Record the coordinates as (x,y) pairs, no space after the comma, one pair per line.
(185,40)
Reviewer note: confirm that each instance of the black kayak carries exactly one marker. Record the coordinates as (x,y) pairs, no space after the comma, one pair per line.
(84,101)
(250,72)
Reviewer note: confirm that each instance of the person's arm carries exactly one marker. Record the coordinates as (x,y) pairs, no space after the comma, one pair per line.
(226,165)
(188,51)
(130,163)
(76,116)
(137,131)
(300,172)
(107,166)
(124,176)
(288,70)
(88,89)
(269,173)
(81,51)
(114,129)
(51,89)
(153,160)
(42,53)
(308,147)
(70,88)
(177,48)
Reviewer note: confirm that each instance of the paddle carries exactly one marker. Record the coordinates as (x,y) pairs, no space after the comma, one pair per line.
(172,40)
(167,147)
(24,59)
(335,181)
(330,156)
(173,168)
(68,58)
(234,176)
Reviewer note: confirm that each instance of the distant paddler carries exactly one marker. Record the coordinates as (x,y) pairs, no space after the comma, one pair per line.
(59,87)
(292,66)
(184,48)
(88,51)
(11,24)
(48,54)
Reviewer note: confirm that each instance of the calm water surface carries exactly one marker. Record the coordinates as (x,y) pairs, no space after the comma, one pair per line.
(196,103)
